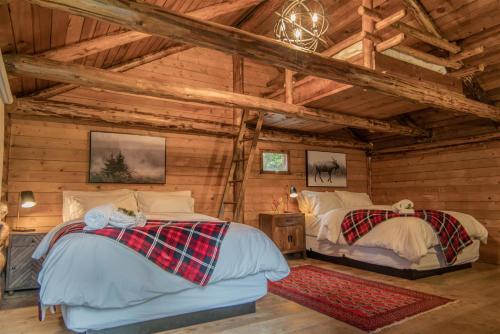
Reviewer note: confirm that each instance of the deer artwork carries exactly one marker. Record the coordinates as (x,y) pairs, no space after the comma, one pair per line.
(329,167)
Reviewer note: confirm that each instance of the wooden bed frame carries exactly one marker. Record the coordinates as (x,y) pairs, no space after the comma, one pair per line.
(178,321)
(410,274)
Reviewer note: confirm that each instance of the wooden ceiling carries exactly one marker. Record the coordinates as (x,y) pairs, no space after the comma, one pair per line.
(30,29)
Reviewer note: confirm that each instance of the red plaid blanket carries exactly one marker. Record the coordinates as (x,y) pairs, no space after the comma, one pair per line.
(186,249)
(451,234)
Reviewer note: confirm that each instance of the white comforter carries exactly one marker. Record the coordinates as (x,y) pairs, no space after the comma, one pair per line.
(95,271)
(409,237)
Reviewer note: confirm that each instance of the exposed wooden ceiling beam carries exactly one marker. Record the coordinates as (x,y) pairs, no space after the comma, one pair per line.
(115,116)
(440,144)
(95,45)
(422,16)
(149,19)
(102,79)
(123,67)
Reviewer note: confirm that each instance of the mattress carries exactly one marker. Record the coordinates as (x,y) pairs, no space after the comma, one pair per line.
(220,294)
(384,257)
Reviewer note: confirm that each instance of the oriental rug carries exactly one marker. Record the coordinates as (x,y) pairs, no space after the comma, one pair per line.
(365,304)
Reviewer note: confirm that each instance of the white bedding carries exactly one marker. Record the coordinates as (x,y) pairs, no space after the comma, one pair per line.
(97,272)
(409,237)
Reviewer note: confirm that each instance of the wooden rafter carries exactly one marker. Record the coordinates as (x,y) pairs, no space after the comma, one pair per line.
(148,19)
(123,67)
(422,16)
(99,44)
(102,79)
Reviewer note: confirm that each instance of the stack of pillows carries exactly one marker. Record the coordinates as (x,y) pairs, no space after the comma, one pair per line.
(123,208)
(318,203)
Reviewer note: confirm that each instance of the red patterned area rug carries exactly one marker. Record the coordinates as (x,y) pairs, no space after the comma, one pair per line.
(365,304)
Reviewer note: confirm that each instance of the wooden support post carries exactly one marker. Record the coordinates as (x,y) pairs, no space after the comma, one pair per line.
(146,18)
(238,147)
(368,26)
(288,86)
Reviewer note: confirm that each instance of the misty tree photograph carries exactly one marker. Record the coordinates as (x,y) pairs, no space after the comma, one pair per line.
(124,158)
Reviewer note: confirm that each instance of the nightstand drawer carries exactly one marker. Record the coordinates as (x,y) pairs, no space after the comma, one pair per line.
(288,221)
(26,240)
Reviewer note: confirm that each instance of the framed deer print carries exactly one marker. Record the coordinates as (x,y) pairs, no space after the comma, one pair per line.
(326,169)
(125,158)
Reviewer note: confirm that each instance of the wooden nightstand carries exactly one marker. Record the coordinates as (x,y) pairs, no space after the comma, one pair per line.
(287,230)
(22,270)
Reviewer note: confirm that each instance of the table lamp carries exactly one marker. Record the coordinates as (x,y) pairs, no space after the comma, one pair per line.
(26,201)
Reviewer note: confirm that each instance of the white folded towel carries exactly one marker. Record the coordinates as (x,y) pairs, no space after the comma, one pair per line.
(98,217)
(122,220)
(404,207)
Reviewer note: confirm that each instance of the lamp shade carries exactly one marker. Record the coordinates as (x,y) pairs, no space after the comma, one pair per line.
(27,199)
(293,192)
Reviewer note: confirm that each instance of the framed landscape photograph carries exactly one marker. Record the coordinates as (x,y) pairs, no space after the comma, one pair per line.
(124,158)
(326,169)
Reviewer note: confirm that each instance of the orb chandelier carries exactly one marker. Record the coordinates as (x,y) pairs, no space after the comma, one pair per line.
(301,23)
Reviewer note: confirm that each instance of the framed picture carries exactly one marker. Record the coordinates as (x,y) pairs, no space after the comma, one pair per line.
(326,169)
(274,162)
(124,158)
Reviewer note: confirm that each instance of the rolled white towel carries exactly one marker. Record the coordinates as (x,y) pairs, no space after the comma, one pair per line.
(122,220)
(98,217)
(404,207)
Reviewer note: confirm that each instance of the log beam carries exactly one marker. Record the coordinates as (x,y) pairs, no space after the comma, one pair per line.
(391,19)
(288,86)
(149,19)
(102,79)
(440,144)
(468,71)
(422,16)
(96,45)
(64,110)
(368,27)
(390,43)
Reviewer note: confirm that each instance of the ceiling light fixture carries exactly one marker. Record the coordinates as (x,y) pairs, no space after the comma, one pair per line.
(302,23)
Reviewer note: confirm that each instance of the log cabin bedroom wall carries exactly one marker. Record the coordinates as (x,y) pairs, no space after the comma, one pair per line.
(407,90)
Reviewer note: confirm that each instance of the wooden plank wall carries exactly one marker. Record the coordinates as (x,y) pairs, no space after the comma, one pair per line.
(464,178)
(51,156)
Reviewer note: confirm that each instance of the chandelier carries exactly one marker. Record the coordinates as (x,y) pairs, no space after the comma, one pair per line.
(301,23)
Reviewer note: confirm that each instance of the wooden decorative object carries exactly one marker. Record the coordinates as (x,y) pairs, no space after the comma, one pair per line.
(287,230)
(148,19)
(22,270)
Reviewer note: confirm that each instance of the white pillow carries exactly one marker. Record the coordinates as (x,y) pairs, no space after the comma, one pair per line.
(155,203)
(318,203)
(354,200)
(76,203)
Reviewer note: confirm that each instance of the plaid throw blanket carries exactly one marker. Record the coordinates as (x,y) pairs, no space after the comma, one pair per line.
(186,249)
(451,234)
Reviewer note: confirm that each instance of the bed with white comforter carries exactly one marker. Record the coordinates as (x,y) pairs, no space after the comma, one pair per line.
(101,284)
(402,243)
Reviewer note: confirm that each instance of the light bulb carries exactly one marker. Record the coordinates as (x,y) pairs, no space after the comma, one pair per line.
(298,34)
(293,17)
(315,17)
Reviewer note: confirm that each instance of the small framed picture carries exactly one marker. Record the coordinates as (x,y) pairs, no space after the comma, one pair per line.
(274,162)
(125,158)
(326,169)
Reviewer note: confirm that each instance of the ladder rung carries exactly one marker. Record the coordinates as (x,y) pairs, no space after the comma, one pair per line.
(230,202)
(239,160)
(246,139)
(235,181)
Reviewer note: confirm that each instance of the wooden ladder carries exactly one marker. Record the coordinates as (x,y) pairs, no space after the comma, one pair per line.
(238,162)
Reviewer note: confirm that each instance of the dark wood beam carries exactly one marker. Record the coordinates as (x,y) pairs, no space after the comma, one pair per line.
(102,79)
(115,116)
(149,19)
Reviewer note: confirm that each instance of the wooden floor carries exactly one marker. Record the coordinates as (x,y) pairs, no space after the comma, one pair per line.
(477,310)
